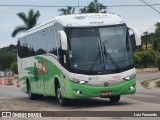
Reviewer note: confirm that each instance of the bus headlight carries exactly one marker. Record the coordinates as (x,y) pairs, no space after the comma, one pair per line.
(130,77)
(79,81)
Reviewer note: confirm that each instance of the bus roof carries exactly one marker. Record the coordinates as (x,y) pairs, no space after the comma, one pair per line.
(79,20)
(91,19)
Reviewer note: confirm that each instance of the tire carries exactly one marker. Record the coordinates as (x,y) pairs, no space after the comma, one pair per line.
(30,94)
(62,101)
(115,99)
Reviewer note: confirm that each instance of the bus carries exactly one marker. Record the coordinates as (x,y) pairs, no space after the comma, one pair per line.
(78,57)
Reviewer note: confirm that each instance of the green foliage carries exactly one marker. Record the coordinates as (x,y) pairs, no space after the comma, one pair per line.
(94,7)
(11,47)
(30,20)
(67,11)
(157,30)
(157,84)
(8,55)
(6,58)
(145,57)
(158,62)
(156,39)
(148,36)
(137,58)
(14,67)
(145,84)
(156,44)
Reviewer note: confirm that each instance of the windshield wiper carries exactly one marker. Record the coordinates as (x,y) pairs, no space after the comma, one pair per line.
(98,55)
(111,59)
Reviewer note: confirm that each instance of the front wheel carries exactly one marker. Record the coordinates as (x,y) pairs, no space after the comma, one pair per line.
(62,101)
(115,98)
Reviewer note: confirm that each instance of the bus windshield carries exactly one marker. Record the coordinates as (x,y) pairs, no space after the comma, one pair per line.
(100,49)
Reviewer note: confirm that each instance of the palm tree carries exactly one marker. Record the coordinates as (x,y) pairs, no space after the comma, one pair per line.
(29,20)
(67,11)
(94,7)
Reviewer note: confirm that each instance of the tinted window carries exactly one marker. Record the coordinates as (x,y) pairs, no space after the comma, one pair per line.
(38,43)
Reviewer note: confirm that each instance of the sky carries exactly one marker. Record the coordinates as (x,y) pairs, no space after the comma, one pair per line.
(143,18)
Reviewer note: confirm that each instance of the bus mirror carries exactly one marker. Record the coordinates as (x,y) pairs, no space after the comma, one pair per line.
(136,35)
(63,38)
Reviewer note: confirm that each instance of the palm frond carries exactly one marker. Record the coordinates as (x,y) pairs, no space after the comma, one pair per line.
(32,18)
(23,17)
(35,17)
(19,29)
(67,11)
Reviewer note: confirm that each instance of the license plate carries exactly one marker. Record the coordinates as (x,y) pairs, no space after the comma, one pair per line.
(106,93)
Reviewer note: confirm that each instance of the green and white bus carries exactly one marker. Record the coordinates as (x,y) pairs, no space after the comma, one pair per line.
(78,56)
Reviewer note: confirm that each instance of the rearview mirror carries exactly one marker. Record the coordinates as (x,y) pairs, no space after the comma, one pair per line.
(136,35)
(63,38)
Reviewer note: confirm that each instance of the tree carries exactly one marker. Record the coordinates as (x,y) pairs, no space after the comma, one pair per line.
(94,7)
(6,59)
(145,58)
(156,42)
(14,67)
(8,55)
(67,11)
(157,30)
(30,20)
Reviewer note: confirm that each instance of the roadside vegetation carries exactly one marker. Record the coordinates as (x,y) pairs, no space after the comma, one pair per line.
(145,84)
(8,58)
(150,84)
(157,84)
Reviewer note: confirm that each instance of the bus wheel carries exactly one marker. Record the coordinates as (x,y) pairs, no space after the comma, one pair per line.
(62,101)
(115,98)
(30,94)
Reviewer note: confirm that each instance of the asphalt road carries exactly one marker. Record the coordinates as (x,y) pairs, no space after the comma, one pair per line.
(11,98)
(146,95)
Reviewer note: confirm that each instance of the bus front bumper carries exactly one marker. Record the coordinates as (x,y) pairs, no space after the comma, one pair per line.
(78,91)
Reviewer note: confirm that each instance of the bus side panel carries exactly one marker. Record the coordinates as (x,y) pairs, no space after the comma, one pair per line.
(51,72)
(24,70)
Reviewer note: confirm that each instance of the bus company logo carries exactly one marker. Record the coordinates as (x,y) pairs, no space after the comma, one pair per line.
(79,17)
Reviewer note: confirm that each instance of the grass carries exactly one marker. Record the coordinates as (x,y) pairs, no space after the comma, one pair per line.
(157,84)
(145,84)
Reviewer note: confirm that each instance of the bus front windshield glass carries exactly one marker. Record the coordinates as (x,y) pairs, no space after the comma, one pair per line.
(100,48)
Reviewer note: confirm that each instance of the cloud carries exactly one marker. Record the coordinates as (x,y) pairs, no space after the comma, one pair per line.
(143,25)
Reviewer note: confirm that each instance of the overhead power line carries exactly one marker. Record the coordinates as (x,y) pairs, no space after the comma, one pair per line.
(132,5)
(47,6)
(150,6)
